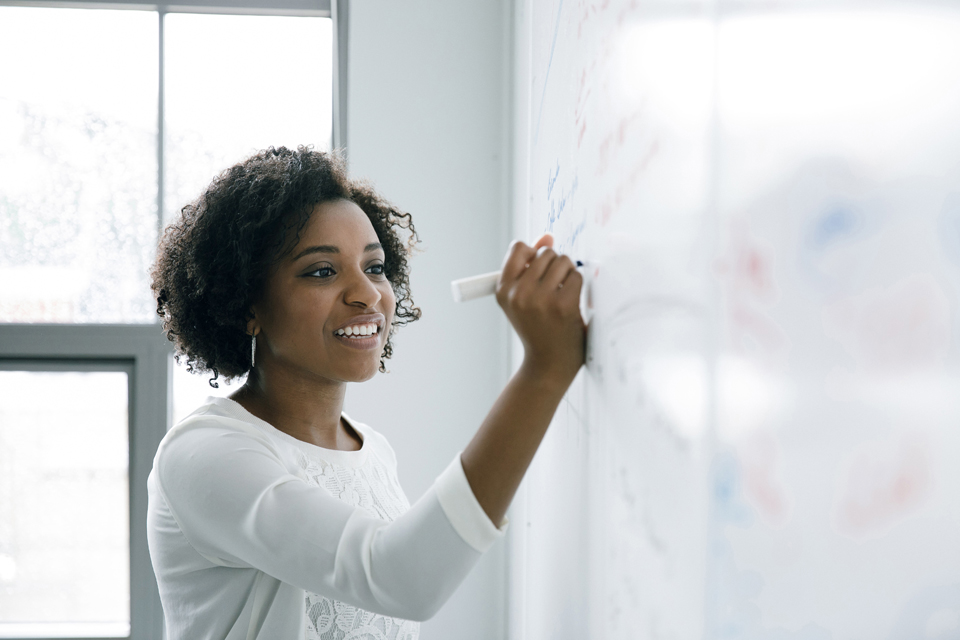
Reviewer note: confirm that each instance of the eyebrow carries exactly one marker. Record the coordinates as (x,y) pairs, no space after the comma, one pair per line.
(328,248)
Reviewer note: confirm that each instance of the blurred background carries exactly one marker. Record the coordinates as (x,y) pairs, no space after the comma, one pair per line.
(764,442)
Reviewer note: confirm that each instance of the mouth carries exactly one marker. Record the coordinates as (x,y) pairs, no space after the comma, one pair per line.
(362,332)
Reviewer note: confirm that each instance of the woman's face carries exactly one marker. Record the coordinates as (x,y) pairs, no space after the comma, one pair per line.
(331,285)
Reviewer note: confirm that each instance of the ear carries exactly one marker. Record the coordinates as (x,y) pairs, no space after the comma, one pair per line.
(253,327)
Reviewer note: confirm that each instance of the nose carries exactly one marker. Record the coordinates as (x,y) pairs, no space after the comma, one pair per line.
(360,291)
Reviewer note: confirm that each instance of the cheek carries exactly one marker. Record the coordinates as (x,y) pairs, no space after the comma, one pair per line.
(299,304)
(299,315)
(389,301)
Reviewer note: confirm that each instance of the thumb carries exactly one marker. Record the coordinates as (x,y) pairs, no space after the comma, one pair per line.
(546,240)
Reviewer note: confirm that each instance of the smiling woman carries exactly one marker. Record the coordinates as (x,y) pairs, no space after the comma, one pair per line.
(307,288)
(322,319)
(260,209)
(271,513)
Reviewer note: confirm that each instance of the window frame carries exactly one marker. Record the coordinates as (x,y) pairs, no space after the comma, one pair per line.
(144,353)
(142,348)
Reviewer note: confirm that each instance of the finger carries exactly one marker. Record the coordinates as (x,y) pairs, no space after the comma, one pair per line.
(570,291)
(558,272)
(514,264)
(546,240)
(539,265)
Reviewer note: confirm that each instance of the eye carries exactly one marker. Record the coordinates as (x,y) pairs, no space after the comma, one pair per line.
(322,272)
(377,269)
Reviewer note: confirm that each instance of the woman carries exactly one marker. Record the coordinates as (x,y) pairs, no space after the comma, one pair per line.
(272,514)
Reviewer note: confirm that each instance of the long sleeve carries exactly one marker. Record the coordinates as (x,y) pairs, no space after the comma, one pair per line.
(238,505)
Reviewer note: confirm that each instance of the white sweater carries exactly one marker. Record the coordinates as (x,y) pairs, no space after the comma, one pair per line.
(255,534)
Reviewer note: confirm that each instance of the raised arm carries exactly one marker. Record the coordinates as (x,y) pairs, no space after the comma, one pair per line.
(539,292)
(222,484)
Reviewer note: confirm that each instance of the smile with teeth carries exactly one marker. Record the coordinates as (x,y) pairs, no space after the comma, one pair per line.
(358,330)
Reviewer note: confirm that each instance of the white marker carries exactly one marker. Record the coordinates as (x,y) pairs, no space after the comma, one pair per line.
(478,286)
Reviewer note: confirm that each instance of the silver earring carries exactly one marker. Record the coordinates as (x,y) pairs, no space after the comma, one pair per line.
(253,351)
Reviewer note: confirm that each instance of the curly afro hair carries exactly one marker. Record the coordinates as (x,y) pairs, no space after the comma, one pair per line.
(213,261)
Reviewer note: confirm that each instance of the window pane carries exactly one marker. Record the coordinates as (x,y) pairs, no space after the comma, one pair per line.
(238,84)
(78,164)
(64,496)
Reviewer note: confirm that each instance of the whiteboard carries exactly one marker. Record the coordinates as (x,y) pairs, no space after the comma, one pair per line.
(765,442)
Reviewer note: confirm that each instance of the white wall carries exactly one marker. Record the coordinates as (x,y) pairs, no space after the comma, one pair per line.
(428,121)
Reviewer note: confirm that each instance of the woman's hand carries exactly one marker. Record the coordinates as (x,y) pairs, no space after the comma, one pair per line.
(546,315)
(539,292)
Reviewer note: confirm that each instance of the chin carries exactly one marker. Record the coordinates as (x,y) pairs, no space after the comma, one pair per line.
(362,375)
(367,376)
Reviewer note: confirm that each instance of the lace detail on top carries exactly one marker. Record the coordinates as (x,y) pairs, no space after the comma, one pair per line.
(374,489)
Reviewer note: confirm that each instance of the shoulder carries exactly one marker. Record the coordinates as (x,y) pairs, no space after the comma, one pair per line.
(213,430)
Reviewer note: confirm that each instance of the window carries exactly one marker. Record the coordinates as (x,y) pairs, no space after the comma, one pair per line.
(78,164)
(83,408)
(64,499)
(111,119)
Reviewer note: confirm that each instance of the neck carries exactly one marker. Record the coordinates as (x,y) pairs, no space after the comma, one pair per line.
(307,409)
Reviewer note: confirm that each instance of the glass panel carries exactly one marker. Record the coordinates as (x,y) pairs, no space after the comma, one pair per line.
(238,84)
(78,170)
(836,493)
(64,496)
